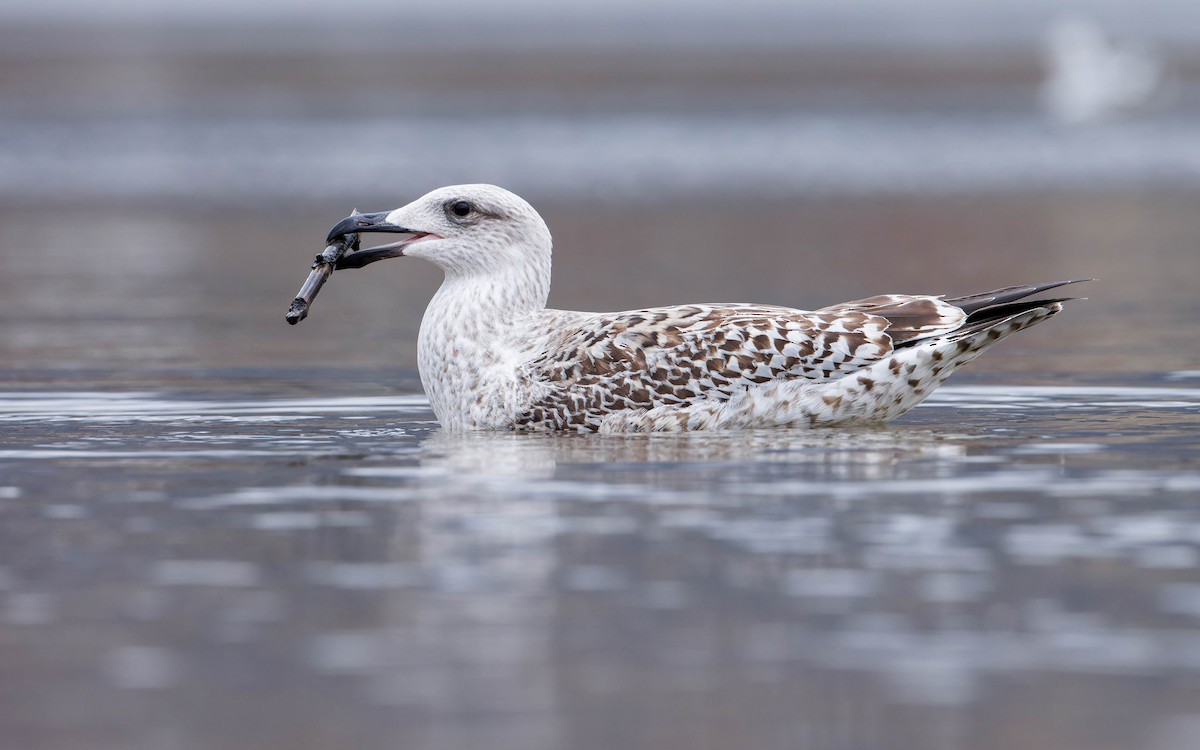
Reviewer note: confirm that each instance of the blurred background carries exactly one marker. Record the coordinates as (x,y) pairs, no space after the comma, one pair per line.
(217,530)
(168,169)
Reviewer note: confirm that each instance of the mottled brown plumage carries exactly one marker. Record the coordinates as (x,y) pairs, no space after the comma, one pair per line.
(681,356)
(492,356)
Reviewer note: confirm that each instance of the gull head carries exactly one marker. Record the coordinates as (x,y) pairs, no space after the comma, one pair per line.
(463,229)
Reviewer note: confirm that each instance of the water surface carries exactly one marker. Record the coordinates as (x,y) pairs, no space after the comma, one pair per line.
(220,531)
(206,569)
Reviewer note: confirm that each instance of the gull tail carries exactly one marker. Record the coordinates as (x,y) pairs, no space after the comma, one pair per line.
(885,390)
(889,388)
(989,308)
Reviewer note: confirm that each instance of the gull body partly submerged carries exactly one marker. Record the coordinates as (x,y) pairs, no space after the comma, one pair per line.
(493,357)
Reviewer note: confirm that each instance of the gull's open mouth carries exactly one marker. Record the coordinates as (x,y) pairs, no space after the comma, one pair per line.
(343,237)
(357,223)
(382,252)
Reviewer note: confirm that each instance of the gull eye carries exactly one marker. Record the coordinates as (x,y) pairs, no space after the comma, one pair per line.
(461,208)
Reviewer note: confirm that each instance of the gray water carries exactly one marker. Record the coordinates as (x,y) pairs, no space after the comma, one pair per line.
(211,569)
(219,531)
(594,157)
(609,109)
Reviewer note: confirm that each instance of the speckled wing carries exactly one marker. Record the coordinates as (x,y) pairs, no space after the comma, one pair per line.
(680,355)
(910,317)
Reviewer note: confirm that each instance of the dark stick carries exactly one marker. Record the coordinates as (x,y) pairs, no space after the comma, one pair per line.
(322,269)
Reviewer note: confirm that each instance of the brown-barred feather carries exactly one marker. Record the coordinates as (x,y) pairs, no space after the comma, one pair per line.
(680,356)
(492,356)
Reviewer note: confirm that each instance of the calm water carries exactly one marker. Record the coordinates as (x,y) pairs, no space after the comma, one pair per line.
(204,569)
(218,531)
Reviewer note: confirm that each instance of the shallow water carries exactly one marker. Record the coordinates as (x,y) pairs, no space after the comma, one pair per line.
(220,531)
(217,530)
(811,150)
(183,569)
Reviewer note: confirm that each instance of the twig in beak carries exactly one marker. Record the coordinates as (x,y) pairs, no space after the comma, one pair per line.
(322,269)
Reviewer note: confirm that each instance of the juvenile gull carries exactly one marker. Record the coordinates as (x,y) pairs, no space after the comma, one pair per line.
(492,356)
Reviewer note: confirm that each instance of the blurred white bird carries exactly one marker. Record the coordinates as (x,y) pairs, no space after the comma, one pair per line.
(1090,77)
